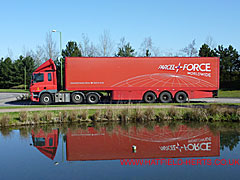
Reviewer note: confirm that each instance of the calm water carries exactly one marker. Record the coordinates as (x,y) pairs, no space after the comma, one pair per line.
(101,151)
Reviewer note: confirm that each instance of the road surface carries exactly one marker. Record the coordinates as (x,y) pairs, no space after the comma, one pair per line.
(9,99)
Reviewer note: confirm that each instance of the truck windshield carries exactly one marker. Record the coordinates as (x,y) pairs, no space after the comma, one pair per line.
(39,141)
(38,77)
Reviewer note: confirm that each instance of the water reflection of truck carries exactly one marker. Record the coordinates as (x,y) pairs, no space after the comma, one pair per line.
(161,142)
(46,142)
(163,79)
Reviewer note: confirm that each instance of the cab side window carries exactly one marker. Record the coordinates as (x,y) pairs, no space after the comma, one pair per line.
(49,76)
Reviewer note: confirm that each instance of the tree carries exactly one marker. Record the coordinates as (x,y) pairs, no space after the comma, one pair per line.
(147,48)
(190,50)
(229,140)
(20,65)
(38,56)
(210,42)
(6,73)
(106,44)
(71,50)
(50,48)
(87,49)
(206,51)
(12,72)
(229,63)
(125,49)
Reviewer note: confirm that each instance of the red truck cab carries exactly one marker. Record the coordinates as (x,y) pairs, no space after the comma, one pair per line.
(46,143)
(44,80)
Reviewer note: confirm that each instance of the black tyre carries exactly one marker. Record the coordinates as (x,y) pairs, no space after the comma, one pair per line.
(46,99)
(92,98)
(165,97)
(181,97)
(149,97)
(77,98)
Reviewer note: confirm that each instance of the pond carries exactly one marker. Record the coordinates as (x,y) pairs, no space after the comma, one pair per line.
(120,151)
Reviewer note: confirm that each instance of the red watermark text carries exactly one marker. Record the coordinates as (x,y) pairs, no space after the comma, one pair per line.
(179,162)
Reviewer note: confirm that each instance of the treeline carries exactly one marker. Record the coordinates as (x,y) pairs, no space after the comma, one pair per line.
(12,71)
(229,64)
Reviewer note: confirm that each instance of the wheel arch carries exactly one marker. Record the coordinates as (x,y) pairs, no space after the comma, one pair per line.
(51,92)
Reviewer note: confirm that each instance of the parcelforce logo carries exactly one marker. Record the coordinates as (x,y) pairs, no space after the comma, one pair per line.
(203,67)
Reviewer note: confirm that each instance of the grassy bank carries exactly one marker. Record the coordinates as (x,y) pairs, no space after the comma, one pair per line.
(213,113)
(234,93)
(197,104)
(14,90)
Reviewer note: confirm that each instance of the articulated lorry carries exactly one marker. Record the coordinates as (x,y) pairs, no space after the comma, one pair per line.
(151,79)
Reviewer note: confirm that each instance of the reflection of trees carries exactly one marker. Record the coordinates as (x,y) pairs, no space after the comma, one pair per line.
(229,139)
(5,132)
(24,131)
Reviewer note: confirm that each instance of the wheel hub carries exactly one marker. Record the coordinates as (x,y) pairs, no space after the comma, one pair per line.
(77,97)
(92,98)
(46,99)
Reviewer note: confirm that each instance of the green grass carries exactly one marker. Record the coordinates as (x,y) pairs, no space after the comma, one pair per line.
(14,90)
(213,113)
(234,93)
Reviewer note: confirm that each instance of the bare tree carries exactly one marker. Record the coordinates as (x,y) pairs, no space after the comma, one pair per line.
(50,50)
(210,42)
(190,50)
(84,45)
(93,51)
(148,49)
(106,45)
(122,42)
(87,49)
(156,51)
(168,53)
(38,55)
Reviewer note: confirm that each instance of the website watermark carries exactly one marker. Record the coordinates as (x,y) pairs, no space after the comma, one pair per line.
(179,162)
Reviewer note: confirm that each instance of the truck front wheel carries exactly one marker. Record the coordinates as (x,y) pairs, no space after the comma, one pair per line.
(77,98)
(46,99)
(92,98)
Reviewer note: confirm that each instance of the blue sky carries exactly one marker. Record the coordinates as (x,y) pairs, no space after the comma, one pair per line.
(172,24)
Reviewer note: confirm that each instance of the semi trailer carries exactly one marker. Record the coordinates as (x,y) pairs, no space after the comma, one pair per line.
(151,79)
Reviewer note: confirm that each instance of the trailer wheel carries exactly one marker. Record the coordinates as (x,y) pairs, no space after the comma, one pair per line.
(181,97)
(165,97)
(149,97)
(92,98)
(46,99)
(77,98)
